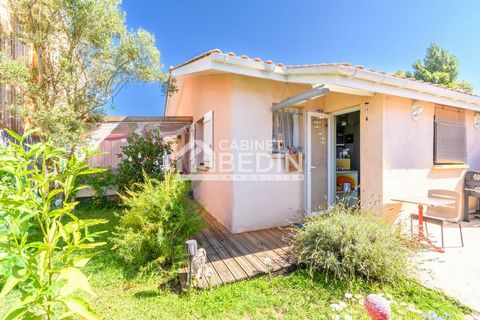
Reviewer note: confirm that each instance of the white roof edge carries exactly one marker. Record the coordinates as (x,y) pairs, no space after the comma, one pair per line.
(368,80)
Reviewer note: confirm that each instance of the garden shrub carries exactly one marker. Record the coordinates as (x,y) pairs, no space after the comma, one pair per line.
(347,243)
(142,154)
(158,219)
(43,244)
(100,183)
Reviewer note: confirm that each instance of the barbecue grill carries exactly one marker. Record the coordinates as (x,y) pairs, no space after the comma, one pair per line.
(471,189)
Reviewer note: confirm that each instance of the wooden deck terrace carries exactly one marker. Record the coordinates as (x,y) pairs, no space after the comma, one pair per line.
(234,257)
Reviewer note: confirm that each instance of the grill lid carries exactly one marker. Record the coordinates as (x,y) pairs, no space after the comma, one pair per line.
(472,181)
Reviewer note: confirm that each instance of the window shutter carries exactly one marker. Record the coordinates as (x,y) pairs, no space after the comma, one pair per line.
(450,144)
(193,147)
(208,139)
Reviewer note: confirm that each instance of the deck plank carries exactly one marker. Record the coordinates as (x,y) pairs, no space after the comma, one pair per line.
(261,251)
(278,261)
(274,241)
(265,240)
(215,279)
(240,256)
(280,234)
(256,248)
(227,258)
(234,257)
(237,246)
(218,264)
(256,254)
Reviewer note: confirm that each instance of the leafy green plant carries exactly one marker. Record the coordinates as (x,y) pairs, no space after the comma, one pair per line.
(142,153)
(125,295)
(100,183)
(347,243)
(41,239)
(158,219)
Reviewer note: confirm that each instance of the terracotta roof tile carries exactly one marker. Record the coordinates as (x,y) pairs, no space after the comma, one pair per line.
(344,64)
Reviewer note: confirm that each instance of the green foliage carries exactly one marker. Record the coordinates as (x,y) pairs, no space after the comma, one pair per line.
(158,220)
(100,183)
(142,154)
(125,295)
(40,237)
(84,55)
(12,71)
(439,67)
(347,243)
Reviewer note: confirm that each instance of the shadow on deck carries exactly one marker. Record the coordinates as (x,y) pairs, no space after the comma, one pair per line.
(234,257)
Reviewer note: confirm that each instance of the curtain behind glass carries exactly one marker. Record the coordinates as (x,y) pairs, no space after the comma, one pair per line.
(285,130)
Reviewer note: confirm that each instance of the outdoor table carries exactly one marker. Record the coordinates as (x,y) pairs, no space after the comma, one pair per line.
(428,202)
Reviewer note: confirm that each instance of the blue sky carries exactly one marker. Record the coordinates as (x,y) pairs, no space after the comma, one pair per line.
(384,35)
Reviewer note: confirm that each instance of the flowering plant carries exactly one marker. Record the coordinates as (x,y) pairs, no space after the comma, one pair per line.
(145,153)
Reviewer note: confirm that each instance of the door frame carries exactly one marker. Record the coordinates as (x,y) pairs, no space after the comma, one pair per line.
(308,160)
(334,114)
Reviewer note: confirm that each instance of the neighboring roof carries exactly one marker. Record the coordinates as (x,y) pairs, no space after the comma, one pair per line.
(334,74)
(137,119)
(118,127)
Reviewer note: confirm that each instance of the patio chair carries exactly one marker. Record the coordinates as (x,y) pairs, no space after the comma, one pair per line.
(441,215)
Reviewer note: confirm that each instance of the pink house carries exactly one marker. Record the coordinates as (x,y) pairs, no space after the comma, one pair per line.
(274,142)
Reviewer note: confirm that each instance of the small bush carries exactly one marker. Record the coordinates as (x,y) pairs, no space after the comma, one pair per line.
(346,244)
(100,183)
(158,219)
(142,154)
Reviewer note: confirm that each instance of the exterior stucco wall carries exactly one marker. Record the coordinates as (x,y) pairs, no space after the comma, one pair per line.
(261,204)
(196,96)
(264,204)
(408,153)
(371,150)
(396,152)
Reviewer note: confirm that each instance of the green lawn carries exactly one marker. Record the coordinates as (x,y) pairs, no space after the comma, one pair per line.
(123,294)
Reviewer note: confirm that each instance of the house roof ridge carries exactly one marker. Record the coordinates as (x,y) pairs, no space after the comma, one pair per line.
(312,65)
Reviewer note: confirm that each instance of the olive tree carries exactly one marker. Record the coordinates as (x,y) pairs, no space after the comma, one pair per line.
(83,54)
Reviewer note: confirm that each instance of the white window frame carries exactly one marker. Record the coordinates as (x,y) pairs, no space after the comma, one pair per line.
(208,154)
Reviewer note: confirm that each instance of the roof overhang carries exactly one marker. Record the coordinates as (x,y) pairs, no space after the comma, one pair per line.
(335,77)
